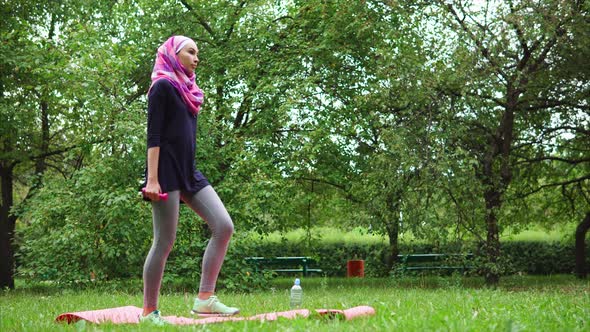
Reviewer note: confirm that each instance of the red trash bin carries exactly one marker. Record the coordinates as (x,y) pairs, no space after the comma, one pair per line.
(355,268)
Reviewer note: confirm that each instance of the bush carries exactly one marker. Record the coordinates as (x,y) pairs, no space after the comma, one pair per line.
(522,257)
(95,225)
(540,257)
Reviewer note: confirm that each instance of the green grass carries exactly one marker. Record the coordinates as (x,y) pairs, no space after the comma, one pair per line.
(328,234)
(558,303)
(554,235)
(361,236)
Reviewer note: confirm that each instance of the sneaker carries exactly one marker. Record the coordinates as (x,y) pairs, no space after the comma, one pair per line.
(212,307)
(153,318)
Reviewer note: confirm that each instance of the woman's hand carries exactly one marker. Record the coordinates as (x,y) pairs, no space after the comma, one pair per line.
(153,190)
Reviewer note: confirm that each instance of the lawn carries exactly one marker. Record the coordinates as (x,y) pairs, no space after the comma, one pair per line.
(520,303)
(362,236)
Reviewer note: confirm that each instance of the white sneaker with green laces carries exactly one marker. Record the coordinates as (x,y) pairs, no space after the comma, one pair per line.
(153,318)
(212,307)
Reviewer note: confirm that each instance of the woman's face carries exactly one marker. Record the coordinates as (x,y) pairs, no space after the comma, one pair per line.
(188,56)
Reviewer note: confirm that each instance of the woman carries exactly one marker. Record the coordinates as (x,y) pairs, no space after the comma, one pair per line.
(174,101)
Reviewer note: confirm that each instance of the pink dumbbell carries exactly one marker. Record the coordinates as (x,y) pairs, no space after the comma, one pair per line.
(163,196)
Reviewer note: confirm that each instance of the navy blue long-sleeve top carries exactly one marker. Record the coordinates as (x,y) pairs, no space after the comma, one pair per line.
(173,128)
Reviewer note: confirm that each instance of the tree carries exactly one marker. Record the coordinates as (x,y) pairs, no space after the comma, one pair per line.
(61,89)
(32,126)
(510,92)
(371,112)
(386,114)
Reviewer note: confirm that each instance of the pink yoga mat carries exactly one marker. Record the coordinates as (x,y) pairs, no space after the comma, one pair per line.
(130,315)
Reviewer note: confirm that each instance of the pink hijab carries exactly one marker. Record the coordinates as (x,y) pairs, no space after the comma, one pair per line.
(168,67)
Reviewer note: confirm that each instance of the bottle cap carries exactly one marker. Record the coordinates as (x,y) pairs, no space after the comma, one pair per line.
(297,281)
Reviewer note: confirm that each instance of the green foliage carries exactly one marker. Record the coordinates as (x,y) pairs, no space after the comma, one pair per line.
(540,257)
(518,257)
(337,113)
(93,223)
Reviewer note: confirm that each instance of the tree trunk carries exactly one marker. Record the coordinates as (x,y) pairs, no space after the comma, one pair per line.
(496,182)
(40,164)
(7,224)
(581,231)
(492,246)
(393,250)
(392,227)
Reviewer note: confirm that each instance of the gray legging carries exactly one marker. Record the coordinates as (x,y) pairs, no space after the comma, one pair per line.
(206,204)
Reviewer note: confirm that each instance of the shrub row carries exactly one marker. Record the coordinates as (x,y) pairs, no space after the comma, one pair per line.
(525,257)
(66,253)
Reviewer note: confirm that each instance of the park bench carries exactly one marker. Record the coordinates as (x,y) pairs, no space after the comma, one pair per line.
(284,264)
(420,262)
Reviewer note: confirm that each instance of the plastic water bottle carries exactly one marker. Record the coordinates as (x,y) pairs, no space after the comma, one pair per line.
(296,298)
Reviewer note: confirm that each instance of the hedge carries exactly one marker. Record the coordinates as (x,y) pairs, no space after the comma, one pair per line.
(525,257)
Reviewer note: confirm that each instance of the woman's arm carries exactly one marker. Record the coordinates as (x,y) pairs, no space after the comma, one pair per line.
(152,188)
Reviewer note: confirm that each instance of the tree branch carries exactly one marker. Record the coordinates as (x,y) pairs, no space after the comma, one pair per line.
(549,103)
(520,35)
(565,160)
(56,152)
(339,186)
(461,214)
(186,5)
(557,184)
(498,102)
(482,49)
(570,128)
(236,14)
